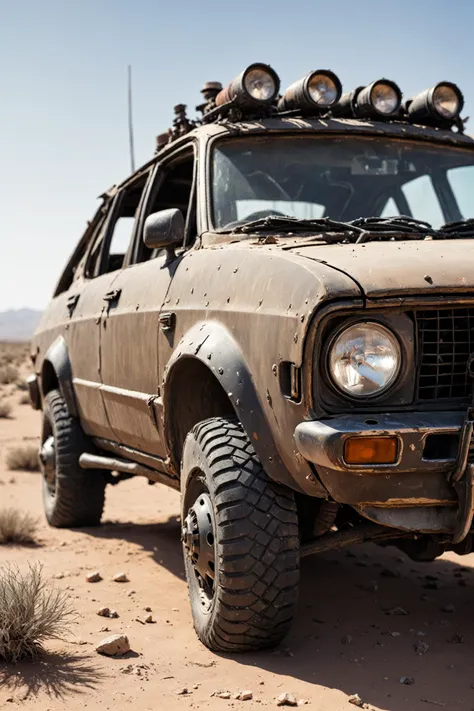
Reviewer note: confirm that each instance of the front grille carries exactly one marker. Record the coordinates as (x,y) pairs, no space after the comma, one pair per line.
(445,347)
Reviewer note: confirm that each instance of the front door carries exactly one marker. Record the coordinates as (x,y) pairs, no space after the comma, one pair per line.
(129,337)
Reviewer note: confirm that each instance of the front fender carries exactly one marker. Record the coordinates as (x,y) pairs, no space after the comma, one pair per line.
(212,344)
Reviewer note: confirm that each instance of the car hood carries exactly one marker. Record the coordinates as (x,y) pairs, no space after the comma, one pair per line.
(384,269)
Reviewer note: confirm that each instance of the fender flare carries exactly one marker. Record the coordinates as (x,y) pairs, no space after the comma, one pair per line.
(57,356)
(214,346)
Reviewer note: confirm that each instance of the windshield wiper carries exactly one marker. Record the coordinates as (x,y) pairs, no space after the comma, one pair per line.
(373,227)
(294,224)
(363,229)
(465,228)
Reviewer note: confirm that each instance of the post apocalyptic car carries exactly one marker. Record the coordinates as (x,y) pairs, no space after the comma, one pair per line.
(275,316)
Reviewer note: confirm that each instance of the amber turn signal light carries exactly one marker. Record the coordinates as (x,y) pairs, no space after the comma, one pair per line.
(371,450)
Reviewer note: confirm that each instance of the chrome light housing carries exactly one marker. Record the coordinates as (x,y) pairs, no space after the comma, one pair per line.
(364,359)
(316,92)
(438,106)
(258,85)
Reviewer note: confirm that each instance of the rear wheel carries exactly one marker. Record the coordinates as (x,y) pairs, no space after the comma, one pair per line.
(72,497)
(240,541)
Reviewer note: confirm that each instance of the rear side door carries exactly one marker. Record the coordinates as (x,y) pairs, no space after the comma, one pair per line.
(129,339)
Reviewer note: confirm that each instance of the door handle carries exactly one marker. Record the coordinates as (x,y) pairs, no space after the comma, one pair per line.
(71,303)
(112,296)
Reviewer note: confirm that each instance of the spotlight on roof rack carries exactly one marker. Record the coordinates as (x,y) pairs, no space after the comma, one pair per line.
(258,85)
(438,106)
(317,91)
(380,100)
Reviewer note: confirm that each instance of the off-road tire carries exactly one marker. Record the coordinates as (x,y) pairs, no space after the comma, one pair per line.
(255,536)
(79,494)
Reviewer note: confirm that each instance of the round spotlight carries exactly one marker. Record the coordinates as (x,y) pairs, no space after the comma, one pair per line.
(257,85)
(438,106)
(318,90)
(382,98)
(447,100)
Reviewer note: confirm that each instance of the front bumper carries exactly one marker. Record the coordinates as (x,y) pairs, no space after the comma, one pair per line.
(414,493)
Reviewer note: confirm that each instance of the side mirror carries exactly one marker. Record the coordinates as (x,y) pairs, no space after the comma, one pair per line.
(164,229)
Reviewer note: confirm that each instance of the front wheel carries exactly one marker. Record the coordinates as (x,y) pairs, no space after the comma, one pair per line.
(240,541)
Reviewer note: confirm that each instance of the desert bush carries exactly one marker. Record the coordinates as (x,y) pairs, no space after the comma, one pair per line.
(16,526)
(23,458)
(8,374)
(30,613)
(25,399)
(5,409)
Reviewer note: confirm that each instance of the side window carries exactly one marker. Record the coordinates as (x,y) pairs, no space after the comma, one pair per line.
(423,201)
(76,264)
(120,232)
(173,189)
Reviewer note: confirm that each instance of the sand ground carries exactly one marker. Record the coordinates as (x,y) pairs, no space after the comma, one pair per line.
(343,641)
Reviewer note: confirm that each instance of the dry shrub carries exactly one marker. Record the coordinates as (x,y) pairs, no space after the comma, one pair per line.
(8,374)
(23,458)
(25,399)
(30,613)
(5,409)
(17,526)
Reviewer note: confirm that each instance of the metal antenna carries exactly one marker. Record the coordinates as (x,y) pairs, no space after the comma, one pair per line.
(130,120)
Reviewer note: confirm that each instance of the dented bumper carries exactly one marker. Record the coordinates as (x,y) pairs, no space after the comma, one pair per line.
(414,492)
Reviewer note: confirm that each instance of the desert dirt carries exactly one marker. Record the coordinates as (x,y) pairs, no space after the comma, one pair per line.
(343,641)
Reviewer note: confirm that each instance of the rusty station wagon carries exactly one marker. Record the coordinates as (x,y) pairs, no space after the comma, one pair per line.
(275,316)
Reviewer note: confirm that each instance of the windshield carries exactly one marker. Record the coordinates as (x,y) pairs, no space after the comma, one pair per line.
(342,178)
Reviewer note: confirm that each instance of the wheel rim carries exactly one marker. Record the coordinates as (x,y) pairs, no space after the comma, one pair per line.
(48,462)
(199,545)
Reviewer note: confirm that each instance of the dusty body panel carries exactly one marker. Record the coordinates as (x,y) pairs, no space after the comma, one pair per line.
(267,318)
(385,269)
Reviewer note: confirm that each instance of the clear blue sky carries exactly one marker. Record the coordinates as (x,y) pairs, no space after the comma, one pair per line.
(63,121)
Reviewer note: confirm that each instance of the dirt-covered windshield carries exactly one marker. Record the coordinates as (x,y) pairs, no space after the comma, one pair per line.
(342,178)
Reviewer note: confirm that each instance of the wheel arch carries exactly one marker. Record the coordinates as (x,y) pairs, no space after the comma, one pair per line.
(56,374)
(207,376)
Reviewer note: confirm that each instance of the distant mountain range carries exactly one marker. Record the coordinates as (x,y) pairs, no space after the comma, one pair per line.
(18,324)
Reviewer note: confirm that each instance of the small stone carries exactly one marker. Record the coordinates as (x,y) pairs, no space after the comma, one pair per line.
(303,702)
(394,634)
(286,700)
(355,700)
(421,647)
(347,639)
(175,609)
(148,609)
(149,620)
(245,696)
(114,646)
(103,612)
(93,577)
(397,611)
(113,614)
(59,576)
(457,639)
(182,692)
(131,593)
(221,694)
(408,680)
(448,608)
(121,578)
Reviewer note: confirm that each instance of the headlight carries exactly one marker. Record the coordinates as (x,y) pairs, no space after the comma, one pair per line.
(258,85)
(438,106)
(446,100)
(317,91)
(383,96)
(364,359)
